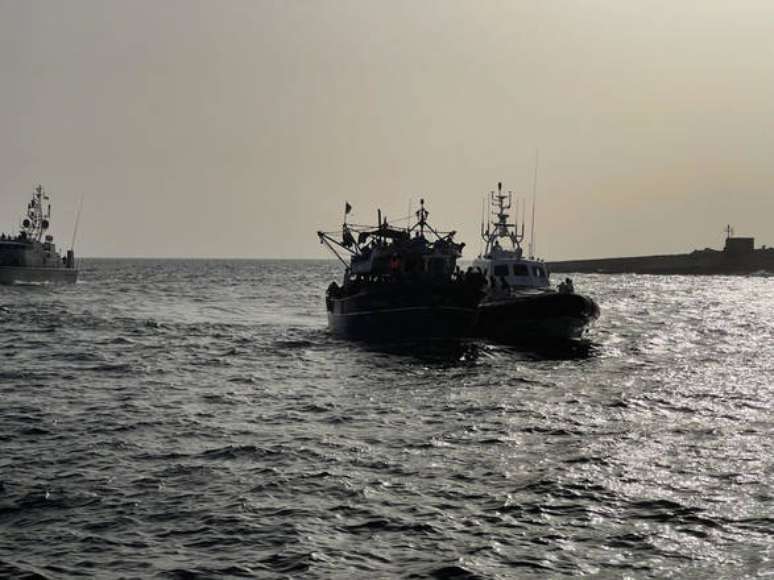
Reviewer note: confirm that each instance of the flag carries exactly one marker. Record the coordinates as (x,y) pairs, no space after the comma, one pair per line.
(347,208)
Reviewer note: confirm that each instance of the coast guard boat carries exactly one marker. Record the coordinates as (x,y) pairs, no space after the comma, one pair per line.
(400,284)
(30,255)
(520,305)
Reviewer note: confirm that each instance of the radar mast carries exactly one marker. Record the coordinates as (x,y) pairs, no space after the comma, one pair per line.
(38,218)
(499,204)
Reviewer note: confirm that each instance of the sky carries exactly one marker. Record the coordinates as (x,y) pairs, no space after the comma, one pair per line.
(238,128)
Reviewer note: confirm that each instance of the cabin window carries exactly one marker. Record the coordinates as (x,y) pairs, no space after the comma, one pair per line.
(520,270)
(501,270)
(538,272)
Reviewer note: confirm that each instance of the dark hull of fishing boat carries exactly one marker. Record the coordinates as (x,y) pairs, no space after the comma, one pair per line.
(392,314)
(536,317)
(417,323)
(32,275)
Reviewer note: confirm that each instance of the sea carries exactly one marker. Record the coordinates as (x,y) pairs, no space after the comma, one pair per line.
(191,419)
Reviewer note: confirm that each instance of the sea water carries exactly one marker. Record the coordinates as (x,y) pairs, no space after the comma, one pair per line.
(194,419)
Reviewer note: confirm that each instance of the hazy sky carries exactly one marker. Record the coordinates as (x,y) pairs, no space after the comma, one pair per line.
(239,128)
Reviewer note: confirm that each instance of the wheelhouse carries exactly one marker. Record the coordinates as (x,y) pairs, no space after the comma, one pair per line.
(386,252)
(514,273)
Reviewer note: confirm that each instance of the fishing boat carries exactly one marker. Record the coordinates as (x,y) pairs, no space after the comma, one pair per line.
(400,283)
(520,305)
(31,255)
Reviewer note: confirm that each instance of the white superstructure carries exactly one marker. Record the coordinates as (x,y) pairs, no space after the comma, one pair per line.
(506,268)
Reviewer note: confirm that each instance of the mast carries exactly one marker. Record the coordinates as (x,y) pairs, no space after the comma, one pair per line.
(77,221)
(422,214)
(37,219)
(534,195)
(501,227)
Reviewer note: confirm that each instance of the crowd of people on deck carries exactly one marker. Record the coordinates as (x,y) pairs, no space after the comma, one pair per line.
(9,238)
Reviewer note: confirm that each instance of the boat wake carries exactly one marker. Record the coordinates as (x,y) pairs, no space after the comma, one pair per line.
(30,283)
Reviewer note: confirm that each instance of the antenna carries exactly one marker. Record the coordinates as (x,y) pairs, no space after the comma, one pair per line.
(77,221)
(523,215)
(422,214)
(483,214)
(534,193)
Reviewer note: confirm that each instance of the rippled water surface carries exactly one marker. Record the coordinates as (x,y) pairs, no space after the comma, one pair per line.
(192,419)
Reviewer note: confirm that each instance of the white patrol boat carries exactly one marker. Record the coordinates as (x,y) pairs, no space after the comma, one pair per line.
(520,304)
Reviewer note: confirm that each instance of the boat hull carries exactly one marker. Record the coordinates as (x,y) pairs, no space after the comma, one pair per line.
(404,324)
(536,317)
(26,275)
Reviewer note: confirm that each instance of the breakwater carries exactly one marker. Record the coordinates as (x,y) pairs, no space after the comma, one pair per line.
(737,258)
